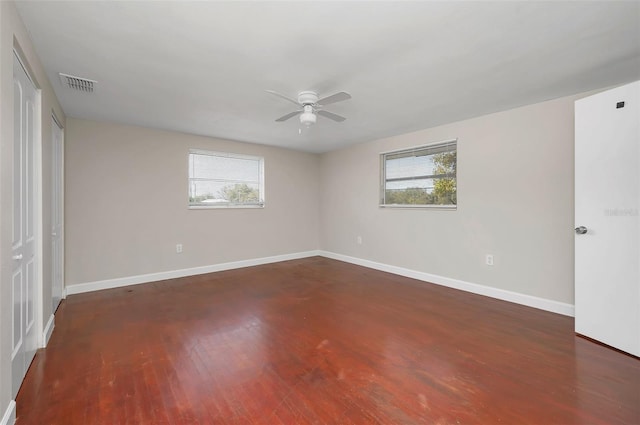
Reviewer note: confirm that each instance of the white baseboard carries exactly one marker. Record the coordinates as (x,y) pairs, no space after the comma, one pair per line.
(173,274)
(501,294)
(48,330)
(9,417)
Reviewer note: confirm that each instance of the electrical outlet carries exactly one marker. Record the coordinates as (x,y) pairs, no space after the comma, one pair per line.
(359,240)
(178,248)
(489,260)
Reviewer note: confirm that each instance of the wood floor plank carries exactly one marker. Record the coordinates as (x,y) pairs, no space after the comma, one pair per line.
(318,341)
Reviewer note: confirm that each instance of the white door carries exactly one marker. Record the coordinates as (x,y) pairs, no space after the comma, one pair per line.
(57,213)
(23,293)
(607,200)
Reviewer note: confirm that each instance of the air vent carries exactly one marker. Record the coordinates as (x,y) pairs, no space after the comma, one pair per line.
(77,83)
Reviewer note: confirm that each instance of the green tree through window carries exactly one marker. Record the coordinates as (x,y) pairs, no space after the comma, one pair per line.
(445,188)
(239,193)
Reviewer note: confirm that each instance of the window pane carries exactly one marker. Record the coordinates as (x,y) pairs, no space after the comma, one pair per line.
(421,176)
(435,192)
(409,166)
(223,180)
(211,192)
(425,184)
(223,168)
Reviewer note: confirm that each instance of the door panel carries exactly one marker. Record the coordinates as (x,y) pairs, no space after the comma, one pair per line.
(607,196)
(29,164)
(30,297)
(16,291)
(17,162)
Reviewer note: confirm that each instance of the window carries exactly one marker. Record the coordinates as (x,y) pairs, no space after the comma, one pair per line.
(225,180)
(424,176)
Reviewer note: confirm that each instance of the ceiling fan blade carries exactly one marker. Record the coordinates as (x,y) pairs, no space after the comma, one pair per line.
(338,97)
(289,115)
(275,93)
(331,116)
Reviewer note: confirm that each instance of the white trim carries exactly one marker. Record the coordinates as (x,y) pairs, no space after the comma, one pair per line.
(48,330)
(501,294)
(428,145)
(421,206)
(55,118)
(9,417)
(38,203)
(61,200)
(226,154)
(172,274)
(228,206)
(24,68)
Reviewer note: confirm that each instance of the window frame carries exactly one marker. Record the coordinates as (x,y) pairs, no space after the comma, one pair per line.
(430,146)
(258,205)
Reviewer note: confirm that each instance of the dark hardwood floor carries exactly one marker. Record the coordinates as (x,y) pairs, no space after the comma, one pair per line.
(318,341)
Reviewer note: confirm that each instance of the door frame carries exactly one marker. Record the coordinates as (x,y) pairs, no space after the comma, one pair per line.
(37,201)
(63,294)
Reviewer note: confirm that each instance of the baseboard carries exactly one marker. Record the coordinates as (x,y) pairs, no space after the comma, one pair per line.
(9,417)
(48,330)
(173,274)
(501,294)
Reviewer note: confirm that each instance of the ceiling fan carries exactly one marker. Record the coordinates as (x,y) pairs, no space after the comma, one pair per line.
(312,105)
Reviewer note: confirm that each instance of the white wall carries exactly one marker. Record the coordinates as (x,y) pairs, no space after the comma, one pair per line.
(13,34)
(515,194)
(126,204)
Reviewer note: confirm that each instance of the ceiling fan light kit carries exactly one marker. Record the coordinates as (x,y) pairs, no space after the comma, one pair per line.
(308,117)
(312,106)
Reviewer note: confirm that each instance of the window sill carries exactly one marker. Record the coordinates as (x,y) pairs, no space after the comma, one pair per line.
(420,207)
(224,207)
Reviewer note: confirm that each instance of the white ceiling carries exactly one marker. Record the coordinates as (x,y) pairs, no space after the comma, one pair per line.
(203,67)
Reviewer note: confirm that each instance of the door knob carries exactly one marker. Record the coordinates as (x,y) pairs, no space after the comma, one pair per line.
(581,230)
(17,257)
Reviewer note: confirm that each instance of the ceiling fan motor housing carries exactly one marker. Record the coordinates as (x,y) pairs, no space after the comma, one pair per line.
(307,98)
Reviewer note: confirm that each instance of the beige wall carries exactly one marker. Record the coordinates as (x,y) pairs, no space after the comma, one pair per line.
(126,204)
(515,194)
(13,34)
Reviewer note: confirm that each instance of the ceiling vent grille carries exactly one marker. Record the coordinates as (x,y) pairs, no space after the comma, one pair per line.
(77,83)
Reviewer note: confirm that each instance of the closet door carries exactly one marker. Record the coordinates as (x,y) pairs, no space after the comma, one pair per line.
(24,337)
